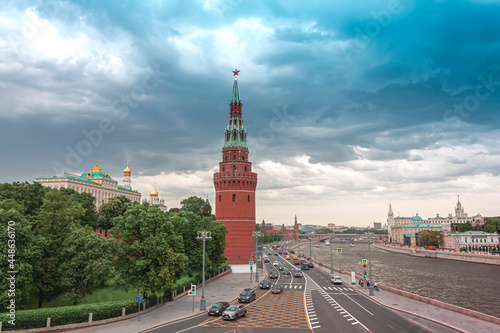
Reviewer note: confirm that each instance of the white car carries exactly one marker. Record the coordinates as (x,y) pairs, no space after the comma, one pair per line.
(336,280)
(276,263)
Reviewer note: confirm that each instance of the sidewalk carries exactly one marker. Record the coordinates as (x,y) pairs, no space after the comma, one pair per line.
(431,312)
(226,288)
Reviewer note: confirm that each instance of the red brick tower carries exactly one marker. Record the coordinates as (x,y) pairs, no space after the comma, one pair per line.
(235,185)
(296,229)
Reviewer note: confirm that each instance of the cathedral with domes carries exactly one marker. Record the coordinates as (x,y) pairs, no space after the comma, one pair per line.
(154,200)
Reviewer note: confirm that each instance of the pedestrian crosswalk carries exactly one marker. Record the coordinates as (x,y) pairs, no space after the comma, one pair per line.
(297,287)
(337,288)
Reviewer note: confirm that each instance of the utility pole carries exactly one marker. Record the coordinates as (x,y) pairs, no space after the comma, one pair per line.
(256,234)
(310,247)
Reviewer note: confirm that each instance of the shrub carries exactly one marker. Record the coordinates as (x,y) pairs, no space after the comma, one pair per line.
(64,315)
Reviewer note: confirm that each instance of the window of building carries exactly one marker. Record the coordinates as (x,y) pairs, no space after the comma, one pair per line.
(223,169)
(249,198)
(234,197)
(245,168)
(234,157)
(219,198)
(226,157)
(234,170)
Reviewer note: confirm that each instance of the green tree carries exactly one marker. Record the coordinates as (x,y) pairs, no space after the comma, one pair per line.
(467,226)
(492,225)
(16,236)
(435,238)
(187,224)
(196,205)
(29,196)
(87,201)
(150,253)
(115,207)
(87,260)
(57,218)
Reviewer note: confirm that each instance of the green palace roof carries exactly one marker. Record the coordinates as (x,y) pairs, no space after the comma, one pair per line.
(416,218)
(96,174)
(61,176)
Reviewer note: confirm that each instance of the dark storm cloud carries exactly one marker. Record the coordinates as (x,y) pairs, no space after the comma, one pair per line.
(390,93)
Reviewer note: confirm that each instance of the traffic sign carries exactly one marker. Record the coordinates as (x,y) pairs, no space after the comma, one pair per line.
(192,291)
(364,265)
(250,263)
(364,261)
(339,250)
(139,299)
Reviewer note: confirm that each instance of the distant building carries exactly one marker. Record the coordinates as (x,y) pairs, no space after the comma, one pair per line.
(154,200)
(405,233)
(377,225)
(96,182)
(475,241)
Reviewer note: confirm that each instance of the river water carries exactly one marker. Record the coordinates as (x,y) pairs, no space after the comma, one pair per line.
(469,285)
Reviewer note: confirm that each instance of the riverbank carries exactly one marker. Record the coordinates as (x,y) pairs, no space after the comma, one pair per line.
(468,257)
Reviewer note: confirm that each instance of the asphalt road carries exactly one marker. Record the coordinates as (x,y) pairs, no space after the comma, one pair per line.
(311,303)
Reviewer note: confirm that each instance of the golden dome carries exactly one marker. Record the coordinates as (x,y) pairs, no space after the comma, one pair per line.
(96,169)
(153,193)
(127,171)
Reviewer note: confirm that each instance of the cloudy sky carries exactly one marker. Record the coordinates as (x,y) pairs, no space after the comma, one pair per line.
(349,106)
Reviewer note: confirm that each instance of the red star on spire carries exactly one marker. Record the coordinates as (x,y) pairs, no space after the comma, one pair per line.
(235,72)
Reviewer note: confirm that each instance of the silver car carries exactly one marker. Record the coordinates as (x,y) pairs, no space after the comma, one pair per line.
(234,312)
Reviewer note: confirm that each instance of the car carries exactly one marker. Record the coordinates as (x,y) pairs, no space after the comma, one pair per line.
(297,273)
(247,295)
(273,275)
(286,271)
(265,284)
(282,267)
(287,257)
(266,259)
(285,252)
(269,253)
(277,289)
(276,263)
(305,267)
(311,265)
(279,252)
(234,312)
(296,262)
(295,258)
(336,280)
(218,308)
(292,252)
(275,254)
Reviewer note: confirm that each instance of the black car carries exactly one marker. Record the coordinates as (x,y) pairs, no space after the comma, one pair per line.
(266,259)
(265,284)
(247,295)
(305,266)
(297,273)
(273,275)
(286,271)
(282,267)
(218,308)
(296,262)
(277,289)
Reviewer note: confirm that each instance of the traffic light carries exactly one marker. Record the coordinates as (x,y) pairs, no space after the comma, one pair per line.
(193,288)
(251,269)
(365,274)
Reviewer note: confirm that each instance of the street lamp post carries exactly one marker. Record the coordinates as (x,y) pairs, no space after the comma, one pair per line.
(310,247)
(370,263)
(331,255)
(256,234)
(203,235)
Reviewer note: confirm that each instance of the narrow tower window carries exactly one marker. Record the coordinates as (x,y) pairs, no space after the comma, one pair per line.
(249,198)
(234,157)
(219,198)
(234,170)
(234,197)
(245,168)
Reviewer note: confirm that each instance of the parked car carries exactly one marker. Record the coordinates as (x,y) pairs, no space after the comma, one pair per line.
(247,295)
(218,308)
(234,312)
(277,289)
(273,275)
(265,284)
(336,280)
(297,273)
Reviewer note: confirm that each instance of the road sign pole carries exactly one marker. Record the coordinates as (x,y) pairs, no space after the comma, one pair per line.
(139,309)
(331,255)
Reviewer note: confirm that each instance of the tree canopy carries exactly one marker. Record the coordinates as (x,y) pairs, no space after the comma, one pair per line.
(196,205)
(492,225)
(115,207)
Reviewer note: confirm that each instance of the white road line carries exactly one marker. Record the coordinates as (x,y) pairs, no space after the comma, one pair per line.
(314,323)
(316,326)
(358,304)
(350,319)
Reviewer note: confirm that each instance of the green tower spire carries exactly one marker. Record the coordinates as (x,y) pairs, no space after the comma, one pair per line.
(236,94)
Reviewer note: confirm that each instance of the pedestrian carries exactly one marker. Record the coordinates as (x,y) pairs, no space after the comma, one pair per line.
(368,283)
